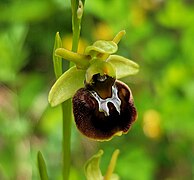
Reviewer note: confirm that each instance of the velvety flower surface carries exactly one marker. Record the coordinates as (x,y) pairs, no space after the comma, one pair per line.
(104,109)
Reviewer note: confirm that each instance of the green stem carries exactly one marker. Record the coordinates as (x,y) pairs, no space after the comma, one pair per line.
(76,22)
(67,116)
(77,11)
(66,106)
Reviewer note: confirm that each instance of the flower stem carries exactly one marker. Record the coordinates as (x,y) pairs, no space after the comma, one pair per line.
(67,116)
(77,10)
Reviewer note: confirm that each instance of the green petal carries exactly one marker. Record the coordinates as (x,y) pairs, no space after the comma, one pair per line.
(102,47)
(124,67)
(92,169)
(100,67)
(119,35)
(81,61)
(66,86)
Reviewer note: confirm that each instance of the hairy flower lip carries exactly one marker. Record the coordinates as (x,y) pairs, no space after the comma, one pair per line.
(95,124)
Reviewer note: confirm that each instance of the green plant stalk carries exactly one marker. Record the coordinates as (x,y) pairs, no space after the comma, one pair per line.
(66,106)
(76,21)
(67,117)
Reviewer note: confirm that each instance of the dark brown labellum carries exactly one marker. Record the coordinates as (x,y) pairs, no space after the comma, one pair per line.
(104,108)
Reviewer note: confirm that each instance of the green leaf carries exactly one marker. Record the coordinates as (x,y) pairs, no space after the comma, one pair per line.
(66,86)
(124,67)
(101,67)
(57,61)
(92,169)
(42,167)
(101,47)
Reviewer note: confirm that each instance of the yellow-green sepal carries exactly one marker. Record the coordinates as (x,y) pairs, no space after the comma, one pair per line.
(66,86)
(123,66)
(100,67)
(92,169)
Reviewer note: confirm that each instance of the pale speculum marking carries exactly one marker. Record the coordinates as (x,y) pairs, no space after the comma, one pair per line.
(103,103)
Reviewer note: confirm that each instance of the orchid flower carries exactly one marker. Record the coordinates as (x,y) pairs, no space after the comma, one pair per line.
(102,105)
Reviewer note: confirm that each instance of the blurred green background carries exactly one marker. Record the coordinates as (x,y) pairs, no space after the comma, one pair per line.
(160,37)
